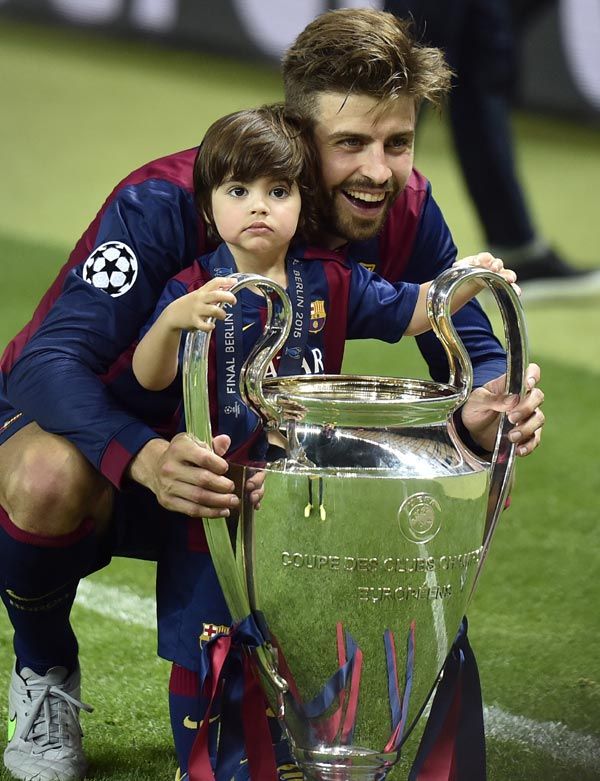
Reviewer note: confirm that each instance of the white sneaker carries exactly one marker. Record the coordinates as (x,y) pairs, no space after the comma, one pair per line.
(44,734)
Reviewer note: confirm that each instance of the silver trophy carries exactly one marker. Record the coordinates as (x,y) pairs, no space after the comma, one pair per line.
(374,526)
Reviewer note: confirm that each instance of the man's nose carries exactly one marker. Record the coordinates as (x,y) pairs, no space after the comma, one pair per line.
(375,165)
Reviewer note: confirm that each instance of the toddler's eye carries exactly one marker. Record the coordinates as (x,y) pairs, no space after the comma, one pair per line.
(237,191)
(280,192)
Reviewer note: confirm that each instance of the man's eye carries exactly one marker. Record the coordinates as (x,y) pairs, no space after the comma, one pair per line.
(399,143)
(280,192)
(352,143)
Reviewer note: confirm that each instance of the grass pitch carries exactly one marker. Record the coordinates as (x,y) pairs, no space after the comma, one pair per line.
(78,114)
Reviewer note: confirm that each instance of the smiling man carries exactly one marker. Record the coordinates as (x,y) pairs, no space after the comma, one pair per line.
(366,160)
(73,434)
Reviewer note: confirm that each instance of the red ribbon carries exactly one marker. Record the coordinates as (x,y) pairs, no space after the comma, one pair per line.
(257,736)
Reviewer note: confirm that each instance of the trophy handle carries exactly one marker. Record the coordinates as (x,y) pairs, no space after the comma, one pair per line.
(197,414)
(461,373)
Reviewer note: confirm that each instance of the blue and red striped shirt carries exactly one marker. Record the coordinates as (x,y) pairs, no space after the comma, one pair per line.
(68,367)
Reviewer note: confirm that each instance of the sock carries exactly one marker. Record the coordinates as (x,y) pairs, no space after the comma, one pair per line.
(187,709)
(38,582)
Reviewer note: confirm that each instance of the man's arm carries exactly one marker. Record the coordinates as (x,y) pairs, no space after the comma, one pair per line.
(63,376)
(433,252)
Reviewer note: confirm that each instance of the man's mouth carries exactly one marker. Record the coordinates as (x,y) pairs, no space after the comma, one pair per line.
(364,199)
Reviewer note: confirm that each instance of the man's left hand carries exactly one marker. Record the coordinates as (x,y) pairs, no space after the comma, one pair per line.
(481,412)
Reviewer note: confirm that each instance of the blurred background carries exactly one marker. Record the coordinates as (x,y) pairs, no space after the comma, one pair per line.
(91,89)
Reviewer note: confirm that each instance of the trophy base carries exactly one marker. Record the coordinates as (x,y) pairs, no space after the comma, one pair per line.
(344,763)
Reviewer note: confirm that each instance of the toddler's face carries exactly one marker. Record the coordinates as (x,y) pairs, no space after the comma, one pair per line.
(258,216)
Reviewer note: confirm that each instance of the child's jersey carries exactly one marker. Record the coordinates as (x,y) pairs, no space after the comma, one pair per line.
(332,301)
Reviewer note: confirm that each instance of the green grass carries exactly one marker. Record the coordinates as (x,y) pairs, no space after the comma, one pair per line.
(78,114)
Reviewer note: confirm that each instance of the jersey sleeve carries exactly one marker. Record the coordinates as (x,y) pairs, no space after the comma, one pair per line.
(173,290)
(62,378)
(433,252)
(376,308)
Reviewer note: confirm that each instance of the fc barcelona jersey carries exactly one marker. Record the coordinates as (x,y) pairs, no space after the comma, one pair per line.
(343,300)
(65,367)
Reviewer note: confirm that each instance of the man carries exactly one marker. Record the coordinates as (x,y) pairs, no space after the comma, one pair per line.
(81,458)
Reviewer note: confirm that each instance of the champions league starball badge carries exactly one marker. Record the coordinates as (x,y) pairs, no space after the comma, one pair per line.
(354,611)
(112,267)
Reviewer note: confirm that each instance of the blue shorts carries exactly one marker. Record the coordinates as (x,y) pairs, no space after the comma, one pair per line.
(190,604)
(139,519)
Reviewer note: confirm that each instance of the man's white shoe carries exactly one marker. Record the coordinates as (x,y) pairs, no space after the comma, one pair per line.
(43,726)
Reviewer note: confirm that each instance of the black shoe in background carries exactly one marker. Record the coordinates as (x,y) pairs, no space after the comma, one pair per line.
(549,276)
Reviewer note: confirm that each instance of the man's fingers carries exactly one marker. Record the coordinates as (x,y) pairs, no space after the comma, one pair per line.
(193,510)
(525,445)
(185,449)
(527,406)
(221,444)
(532,375)
(192,478)
(174,472)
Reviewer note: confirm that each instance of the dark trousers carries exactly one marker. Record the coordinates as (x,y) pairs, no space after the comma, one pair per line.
(478,39)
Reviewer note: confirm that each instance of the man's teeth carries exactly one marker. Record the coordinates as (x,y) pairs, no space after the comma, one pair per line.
(368,197)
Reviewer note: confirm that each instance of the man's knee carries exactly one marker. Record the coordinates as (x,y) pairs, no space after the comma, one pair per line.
(49,487)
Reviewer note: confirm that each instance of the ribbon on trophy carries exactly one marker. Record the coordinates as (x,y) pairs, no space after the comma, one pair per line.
(453,744)
(226,676)
(342,688)
(399,702)
(235,418)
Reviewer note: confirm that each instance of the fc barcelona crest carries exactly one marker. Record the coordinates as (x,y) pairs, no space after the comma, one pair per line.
(318,316)
(211,630)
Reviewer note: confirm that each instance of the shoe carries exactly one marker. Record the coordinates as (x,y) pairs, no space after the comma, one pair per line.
(549,276)
(43,726)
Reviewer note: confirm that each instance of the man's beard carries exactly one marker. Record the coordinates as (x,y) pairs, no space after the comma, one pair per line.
(337,220)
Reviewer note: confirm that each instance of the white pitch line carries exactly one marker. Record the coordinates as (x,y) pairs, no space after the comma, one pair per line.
(121,604)
(549,737)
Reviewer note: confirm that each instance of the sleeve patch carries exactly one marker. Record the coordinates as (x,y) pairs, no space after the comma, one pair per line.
(112,267)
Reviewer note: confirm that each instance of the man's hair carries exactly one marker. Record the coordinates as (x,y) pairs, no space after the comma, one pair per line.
(362,51)
(254,143)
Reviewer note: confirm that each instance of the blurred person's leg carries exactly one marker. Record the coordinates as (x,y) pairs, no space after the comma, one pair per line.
(485,62)
(480,104)
(479,40)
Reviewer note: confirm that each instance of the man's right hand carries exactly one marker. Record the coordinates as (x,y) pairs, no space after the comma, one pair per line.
(186,476)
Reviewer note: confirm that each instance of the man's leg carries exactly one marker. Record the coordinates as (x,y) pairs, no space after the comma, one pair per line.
(53,509)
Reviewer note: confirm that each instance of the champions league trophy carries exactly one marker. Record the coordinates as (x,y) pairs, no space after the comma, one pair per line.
(371,535)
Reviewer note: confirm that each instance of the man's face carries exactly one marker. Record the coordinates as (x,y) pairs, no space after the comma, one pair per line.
(366,159)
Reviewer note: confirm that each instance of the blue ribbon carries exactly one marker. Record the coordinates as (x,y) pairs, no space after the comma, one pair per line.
(231,749)
(335,684)
(460,675)
(235,419)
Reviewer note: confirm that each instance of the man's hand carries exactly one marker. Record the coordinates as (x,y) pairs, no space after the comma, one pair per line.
(481,412)
(255,486)
(186,476)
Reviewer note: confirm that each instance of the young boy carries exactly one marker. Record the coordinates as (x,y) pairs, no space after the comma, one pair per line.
(254,182)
